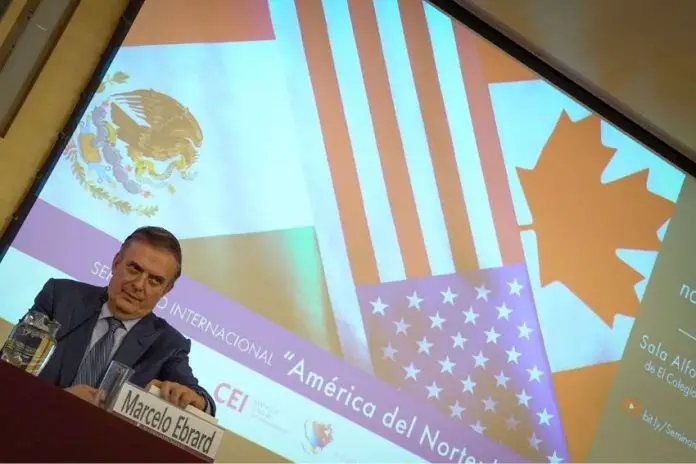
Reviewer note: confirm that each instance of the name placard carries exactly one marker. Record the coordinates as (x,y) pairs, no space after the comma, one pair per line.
(164,419)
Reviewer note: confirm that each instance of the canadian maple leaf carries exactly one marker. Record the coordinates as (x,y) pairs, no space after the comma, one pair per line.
(580,222)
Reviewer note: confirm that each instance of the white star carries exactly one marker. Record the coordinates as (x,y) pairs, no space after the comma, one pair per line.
(535,374)
(524,330)
(491,336)
(501,380)
(482,292)
(401,327)
(433,391)
(480,360)
(468,385)
(446,365)
(513,355)
(458,341)
(555,458)
(448,296)
(544,417)
(470,316)
(512,423)
(523,398)
(411,372)
(456,410)
(503,312)
(534,442)
(414,301)
(389,352)
(515,287)
(378,307)
(424,346)
(436,321)
(489,404)
(478,427)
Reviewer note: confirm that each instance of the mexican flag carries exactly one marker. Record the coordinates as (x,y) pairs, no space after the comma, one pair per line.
(192,130)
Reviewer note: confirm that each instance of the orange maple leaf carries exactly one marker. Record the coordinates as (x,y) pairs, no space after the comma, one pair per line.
(581,222)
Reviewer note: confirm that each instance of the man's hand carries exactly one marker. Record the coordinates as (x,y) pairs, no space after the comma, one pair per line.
(177,394)
(84,392)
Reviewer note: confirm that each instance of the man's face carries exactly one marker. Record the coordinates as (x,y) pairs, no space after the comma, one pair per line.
(141,275)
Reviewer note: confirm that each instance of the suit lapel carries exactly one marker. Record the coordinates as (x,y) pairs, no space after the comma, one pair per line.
(76,343)
(137,341)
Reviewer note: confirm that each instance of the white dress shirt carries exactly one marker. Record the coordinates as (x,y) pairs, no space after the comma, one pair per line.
(102,327)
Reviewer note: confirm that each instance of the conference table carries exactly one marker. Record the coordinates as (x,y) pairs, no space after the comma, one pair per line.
(42,423)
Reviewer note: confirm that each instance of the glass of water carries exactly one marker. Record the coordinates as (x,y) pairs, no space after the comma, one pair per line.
(114,378)
(31,342)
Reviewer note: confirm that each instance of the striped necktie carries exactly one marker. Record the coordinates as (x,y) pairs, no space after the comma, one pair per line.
(95,362)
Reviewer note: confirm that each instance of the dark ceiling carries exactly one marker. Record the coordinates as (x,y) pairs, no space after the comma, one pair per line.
(640,54)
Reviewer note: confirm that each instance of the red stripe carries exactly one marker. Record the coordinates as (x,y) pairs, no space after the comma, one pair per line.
(339,150)
(490,152)
(500,67)
(391,151)
(439,138)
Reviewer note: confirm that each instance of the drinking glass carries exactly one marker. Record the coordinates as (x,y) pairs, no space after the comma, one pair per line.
(116,375)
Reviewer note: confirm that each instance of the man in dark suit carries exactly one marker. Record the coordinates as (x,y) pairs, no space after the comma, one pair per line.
(116,323)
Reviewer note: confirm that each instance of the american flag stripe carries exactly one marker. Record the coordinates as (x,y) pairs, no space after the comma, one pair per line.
(461,125)
(417,168)
(362,128)
(439,138)
(387,134)
(337,141)
(327,220)
(498,67)
(414,138)
(491,155)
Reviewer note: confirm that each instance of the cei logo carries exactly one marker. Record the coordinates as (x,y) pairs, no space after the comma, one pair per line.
(317,436)
(232,398)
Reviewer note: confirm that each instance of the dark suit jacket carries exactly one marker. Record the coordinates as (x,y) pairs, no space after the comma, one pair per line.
(152,348)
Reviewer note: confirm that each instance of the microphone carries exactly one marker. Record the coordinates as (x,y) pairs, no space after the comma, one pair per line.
(84,321)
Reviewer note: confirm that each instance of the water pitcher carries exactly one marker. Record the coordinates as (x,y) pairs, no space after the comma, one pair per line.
(31,342)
